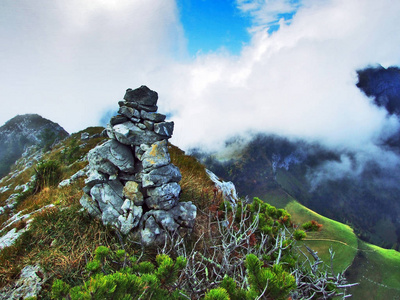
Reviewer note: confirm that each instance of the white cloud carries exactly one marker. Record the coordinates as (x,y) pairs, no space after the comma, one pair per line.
(71,61)
(299,81)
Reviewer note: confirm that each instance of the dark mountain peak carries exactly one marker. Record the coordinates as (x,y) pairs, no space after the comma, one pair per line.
(23,131)
(383,85)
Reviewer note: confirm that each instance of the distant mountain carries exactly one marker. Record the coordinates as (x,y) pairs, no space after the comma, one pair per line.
(383,85)
(23,131)
(367,196)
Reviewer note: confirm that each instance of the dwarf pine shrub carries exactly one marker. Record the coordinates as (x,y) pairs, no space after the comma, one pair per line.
(135,281)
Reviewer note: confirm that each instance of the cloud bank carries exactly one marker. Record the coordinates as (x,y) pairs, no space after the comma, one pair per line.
(71,61)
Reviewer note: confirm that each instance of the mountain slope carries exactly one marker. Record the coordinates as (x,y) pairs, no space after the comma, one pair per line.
(23,131)
(60,237)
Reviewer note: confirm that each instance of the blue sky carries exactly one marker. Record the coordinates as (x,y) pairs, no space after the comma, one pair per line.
(210,25)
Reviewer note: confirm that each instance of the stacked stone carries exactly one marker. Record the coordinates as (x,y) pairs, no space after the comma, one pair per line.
(131,182)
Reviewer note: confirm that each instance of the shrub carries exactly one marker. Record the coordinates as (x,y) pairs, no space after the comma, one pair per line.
(312,226)
(299,235)
(47,173)
(217,294)
(139,281)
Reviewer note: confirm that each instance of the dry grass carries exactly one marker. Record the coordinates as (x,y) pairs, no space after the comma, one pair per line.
(196,185)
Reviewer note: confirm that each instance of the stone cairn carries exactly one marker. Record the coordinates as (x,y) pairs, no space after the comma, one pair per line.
(131,182)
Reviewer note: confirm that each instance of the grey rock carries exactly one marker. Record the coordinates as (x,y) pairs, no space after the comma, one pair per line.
(132,192)
(164,197)
(164,129)
(90,205)
(118,120)
(154,224)
(184,214)
(129,112)
(110,131)
(228,188)
(110,216)
(148,108)
(94,177)
(142,95)
(152,233)
(109,197)
(149,125)
(69,181)
(154,117)
(142,126)
(84,136)
(111,157)
(28,285)
(160,176)
(129,134)
(156,156)
(130,220)
(141,107)
(140,150)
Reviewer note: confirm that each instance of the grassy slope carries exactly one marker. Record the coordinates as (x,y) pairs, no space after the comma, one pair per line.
(72,235)
(335,235)
(376,269)
(63,238)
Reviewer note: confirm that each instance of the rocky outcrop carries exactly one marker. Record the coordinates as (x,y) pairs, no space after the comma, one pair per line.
(131,182)
(28,285)
(22,132)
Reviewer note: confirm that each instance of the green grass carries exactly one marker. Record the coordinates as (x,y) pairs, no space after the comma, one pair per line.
(378,272)
(335,235)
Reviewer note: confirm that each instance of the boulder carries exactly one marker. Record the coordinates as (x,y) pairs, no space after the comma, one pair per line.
(142,95)
(28,285)
(163,197)
(130,113)
(109,196)
(130,220)
(164,129)
(118,120)
(132,192)
(90,205)
(154,117)
(111,157)
(155,156)
(130,134)
(162,175)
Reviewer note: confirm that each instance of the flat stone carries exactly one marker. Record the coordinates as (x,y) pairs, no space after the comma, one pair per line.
(162,175)
(154,117)
(149,125)
(111,157)
(129,112)
(129,134)
(94,177)
(164,129)
(118,120)
(156,156)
